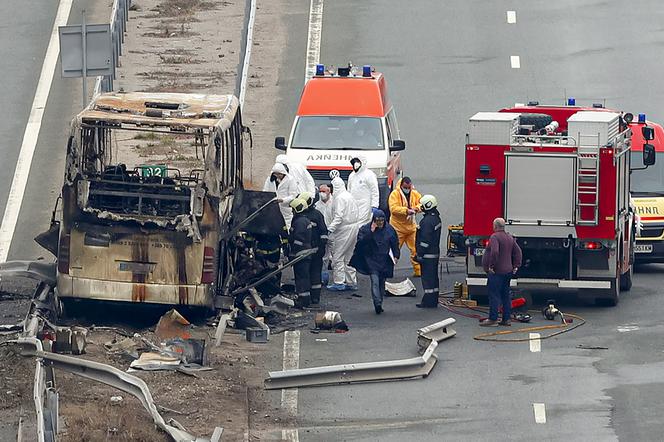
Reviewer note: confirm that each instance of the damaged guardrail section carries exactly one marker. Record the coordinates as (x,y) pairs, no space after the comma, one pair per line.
(368,371)
(110,376)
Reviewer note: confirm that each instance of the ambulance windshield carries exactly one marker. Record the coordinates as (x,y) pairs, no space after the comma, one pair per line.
(341,133)
(647,181)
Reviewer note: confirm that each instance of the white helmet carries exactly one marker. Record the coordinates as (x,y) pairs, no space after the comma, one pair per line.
(428,202)
(334,173)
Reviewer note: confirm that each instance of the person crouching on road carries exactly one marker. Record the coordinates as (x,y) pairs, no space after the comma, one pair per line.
(427,243)
(318,241)
(404,204)
(502,259)
(300,242)
(343,235)
(376,252)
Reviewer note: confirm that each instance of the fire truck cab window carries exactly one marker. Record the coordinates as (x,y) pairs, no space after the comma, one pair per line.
(325,132)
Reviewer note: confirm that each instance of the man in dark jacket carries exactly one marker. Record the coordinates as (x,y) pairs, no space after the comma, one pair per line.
(427,244)
(502,258)
(376,252)
(318,241)
(300,241)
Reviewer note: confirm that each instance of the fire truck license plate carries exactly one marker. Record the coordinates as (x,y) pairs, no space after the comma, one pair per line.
(643,248)
(478,252)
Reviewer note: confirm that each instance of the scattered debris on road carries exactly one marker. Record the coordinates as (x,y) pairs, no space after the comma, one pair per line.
(410,368)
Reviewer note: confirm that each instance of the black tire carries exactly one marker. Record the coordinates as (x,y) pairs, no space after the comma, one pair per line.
(538,121)
(626,279)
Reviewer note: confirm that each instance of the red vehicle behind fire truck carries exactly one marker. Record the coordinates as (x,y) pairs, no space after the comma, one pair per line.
(560,176)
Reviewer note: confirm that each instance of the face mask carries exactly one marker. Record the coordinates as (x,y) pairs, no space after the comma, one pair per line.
(324,197)
(356,166)
(405,191)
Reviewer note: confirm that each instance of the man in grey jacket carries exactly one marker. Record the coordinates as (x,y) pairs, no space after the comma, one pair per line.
(502,259)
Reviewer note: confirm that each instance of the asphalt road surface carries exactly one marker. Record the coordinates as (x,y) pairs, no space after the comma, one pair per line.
(444,61)
(25,29)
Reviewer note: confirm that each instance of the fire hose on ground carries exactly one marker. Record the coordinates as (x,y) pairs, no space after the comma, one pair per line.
(496,336)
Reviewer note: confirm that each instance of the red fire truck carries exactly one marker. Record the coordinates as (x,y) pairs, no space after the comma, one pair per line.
(560,176)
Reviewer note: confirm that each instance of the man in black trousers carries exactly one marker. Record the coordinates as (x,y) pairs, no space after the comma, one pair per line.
(427,245)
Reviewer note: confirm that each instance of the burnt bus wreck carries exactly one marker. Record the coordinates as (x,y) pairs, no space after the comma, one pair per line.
(147,200)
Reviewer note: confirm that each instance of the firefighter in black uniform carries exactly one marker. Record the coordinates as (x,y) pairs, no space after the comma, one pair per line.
(318,240)
(427,244)
(300,241)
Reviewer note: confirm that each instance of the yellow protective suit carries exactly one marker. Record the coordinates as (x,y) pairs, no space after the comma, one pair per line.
(403,223)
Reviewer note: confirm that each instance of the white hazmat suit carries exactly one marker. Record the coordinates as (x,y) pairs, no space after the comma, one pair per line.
(298,173)
(363,185)
(286,191)
(343,234)
(326,208)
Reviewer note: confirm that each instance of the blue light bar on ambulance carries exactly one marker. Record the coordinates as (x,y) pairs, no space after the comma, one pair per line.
(320,69)
(571,101)
(366,70)
(642,118)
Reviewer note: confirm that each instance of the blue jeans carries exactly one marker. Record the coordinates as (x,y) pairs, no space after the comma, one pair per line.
(499,293)
(377,289)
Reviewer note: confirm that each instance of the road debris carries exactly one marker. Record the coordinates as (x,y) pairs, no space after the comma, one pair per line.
(591,347)
(403,288)
(409,368)
(116,400)
(256,334)
(173,325)
(330,321)
(435,332)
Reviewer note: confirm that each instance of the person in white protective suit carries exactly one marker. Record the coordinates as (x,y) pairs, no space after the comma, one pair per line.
(343,236)
(286,190)
(363,185)
(325,205)
(297,172)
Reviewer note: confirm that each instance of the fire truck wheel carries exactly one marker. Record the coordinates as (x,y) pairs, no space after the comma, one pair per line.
(538,121)
(611,297)
(626,279)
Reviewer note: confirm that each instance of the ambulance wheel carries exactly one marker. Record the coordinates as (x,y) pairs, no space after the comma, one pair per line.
(538,121)
(626,279)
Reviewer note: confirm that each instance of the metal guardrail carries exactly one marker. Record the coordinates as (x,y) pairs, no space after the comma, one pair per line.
(119,17)
(409,368)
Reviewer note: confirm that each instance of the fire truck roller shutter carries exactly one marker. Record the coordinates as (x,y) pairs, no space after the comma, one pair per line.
(538,121)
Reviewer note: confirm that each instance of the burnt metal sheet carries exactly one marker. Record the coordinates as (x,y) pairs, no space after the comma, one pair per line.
(247,202)
(195,111)
(37,270)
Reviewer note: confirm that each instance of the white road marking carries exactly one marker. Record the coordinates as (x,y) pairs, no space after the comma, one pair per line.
(289,395)
(515,61)
(511,17)
(535,342)
(20,180)
(313,38)
(627,328)
(540,413)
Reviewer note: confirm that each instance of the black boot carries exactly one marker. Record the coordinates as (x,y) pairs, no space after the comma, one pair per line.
(378,309)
